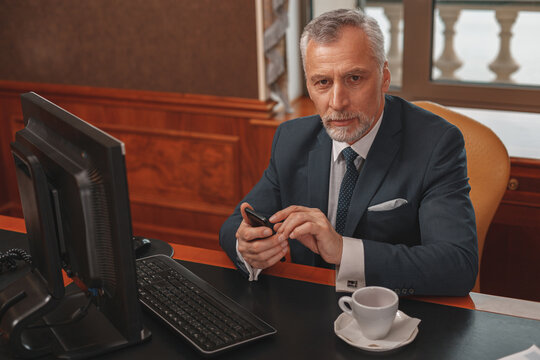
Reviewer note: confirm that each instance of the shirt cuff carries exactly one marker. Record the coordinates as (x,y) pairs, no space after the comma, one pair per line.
(253,273)
(350,274)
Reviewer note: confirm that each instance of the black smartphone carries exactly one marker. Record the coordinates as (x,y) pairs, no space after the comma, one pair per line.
(258,220)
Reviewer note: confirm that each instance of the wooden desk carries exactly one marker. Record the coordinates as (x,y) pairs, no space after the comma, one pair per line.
(445,331)
(476,301)
(281,269)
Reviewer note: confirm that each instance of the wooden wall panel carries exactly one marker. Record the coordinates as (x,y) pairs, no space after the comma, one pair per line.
(257,147)
(9,196)
(179,167)
(511,263)
(192,226)
(203,46)
(184,153)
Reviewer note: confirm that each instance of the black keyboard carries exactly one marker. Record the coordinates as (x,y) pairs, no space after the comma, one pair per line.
(194,309)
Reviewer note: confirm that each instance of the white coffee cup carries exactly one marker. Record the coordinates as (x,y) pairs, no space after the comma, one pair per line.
(374,309)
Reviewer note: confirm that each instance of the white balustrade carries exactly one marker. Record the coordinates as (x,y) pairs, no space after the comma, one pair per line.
(448,62)
(503,66)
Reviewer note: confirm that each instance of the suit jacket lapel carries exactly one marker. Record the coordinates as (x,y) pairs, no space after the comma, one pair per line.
(319,172)
(378,161)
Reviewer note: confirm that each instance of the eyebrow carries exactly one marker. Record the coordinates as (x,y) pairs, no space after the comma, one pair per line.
(357,71)
(354,71)
(317,77)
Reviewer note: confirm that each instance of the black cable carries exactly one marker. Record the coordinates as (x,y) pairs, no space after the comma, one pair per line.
(8,259)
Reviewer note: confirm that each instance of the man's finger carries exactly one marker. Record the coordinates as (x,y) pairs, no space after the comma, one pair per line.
(248,233)
(293,221)
(268,258)
(258,246)
(243,211)
(285,213)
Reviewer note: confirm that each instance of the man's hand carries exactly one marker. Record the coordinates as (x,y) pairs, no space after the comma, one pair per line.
(312,228)
(257,245)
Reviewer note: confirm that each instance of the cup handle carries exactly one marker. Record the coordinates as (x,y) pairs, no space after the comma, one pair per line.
(343,302)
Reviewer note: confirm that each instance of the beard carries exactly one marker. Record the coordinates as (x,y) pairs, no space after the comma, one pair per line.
(348,134)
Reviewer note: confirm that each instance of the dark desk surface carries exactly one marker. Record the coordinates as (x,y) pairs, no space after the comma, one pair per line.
(304,314)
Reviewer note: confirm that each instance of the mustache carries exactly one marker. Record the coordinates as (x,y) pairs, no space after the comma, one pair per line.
(342,115)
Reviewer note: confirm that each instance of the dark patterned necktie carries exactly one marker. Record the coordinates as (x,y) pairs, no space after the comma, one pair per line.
(346,189)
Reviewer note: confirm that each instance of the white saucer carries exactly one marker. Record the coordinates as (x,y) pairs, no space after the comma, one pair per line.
(404,330)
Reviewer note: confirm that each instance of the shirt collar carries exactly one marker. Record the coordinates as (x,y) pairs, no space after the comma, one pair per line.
(361,146)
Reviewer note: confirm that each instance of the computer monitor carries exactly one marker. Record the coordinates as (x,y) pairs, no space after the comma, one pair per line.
(74,195)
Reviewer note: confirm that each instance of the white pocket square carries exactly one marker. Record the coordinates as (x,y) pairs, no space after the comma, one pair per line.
(388,205)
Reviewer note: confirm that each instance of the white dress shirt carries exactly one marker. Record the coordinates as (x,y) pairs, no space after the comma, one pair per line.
(350,273)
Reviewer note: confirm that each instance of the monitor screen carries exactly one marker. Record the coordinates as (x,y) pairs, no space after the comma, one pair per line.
(74,195)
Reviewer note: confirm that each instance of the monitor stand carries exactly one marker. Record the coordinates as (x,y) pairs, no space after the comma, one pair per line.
(28,314)
(90,336)
(22,304)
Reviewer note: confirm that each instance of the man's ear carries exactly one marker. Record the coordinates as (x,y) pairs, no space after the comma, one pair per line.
(386,77)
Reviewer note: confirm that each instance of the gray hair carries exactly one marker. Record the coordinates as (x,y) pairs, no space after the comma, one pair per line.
(327,27)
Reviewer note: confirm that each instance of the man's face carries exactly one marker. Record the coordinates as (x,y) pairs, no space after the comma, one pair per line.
(346,84)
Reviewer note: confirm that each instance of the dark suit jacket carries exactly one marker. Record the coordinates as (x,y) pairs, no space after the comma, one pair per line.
(427,246)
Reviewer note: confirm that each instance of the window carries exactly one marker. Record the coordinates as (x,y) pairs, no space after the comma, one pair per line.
(421,80)
(467,53)
(486,42)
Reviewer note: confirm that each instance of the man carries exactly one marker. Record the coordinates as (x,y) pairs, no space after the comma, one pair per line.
(378,188)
